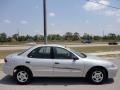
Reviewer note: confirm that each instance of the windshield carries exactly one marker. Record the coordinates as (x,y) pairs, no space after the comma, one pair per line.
(82,55)
(23,51)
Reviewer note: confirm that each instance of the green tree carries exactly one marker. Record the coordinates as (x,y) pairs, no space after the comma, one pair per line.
(97,38)
(54,37)
(21,38)
(87,37)
(38,38)
(9,39)
(112,36)
(29,38)
(118,37)
(15,36)
(3,37)
(68,36)
(76,36)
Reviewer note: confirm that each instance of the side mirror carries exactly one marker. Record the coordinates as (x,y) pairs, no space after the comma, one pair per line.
(75,58)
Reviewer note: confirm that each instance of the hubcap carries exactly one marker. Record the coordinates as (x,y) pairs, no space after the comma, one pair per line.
(22,76)
(97,76)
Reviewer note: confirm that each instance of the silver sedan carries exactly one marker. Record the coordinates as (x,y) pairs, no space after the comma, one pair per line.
(57,61)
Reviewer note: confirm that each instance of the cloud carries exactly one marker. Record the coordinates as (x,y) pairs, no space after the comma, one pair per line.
(113,13)
(24,22)
(52,14)
(109,13)
(92,5)
(7,21)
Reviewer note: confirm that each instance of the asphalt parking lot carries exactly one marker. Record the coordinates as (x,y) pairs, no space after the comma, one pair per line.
(7,83)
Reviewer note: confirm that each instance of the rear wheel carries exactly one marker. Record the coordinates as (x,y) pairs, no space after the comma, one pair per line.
(97,76)
(23,76)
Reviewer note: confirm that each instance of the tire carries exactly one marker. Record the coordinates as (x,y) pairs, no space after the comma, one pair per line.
(97,76)
(23,76)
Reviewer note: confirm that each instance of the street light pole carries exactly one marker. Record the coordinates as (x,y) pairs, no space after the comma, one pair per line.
(45,21)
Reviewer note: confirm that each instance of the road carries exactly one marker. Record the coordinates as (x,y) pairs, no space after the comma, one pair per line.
(7,83)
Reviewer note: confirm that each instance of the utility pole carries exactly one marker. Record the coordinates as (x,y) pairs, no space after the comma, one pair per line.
(45,21)
(103,33)
(18,31)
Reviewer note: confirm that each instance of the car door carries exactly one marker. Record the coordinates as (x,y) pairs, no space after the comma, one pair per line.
(40,60)
(64,65)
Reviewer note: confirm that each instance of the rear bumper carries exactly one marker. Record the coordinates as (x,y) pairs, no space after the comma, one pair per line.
(112,72)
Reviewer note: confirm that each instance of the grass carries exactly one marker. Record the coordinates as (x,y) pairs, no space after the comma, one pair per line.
(4,53)
(1,66)
(117,56)
(94,49)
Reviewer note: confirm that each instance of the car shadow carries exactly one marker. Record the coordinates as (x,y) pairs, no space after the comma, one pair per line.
(8,80)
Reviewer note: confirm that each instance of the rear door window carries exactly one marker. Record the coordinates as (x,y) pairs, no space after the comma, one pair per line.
(41,52)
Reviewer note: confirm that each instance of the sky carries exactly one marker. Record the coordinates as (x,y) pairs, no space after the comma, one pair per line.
(82,16)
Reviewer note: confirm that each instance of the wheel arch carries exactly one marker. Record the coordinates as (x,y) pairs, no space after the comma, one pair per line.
(22,67)
(96,67)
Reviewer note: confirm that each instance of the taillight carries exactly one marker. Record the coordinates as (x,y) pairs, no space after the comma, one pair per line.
(5,60)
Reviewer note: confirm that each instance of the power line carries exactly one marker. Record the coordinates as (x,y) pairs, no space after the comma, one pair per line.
(104,4)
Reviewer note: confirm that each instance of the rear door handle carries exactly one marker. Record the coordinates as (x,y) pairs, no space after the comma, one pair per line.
(28,62)
(57,63)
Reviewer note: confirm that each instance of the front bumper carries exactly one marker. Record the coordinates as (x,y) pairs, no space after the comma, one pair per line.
(112,72)
(7,70)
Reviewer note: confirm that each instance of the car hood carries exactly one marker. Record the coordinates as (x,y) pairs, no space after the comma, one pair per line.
(97,60)
(11,55)
(94,57)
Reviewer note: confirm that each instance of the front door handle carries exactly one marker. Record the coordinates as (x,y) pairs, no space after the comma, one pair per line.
(28,62)
(57,63)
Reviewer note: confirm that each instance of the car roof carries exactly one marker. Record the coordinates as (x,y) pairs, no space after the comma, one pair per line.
(50,45)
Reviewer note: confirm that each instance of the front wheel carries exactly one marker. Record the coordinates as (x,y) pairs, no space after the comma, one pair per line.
(23,77)
(97,76)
